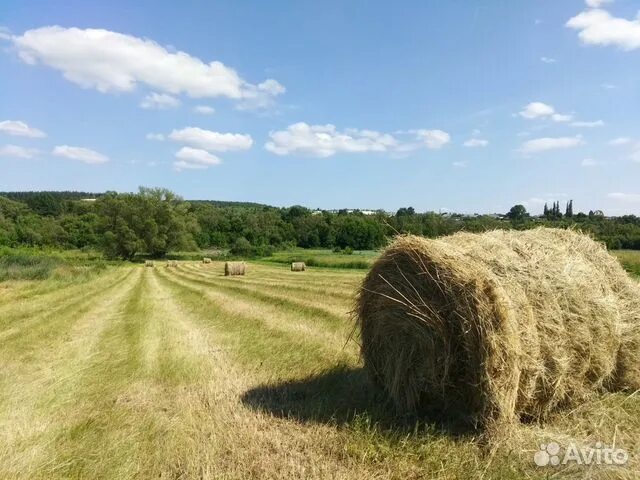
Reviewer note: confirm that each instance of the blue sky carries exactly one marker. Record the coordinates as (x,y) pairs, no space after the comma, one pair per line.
(360,104)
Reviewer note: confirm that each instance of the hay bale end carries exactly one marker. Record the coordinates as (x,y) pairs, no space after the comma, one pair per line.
(234,268)
(298,266)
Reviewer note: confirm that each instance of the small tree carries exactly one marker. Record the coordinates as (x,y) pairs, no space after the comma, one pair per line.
(517,213)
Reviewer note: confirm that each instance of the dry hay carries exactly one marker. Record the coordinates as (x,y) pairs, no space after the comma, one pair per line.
(149,263)
(234,268)
(298,266)
(498,327)
(206,260)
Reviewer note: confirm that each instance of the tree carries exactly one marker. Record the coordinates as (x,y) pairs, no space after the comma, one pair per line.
(517,213)
(153,221)
(546,211)
(569,209)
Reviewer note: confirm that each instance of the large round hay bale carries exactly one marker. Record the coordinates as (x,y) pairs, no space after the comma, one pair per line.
(234,268)
(206,260)
(298,266)
(500,326)
(149,263)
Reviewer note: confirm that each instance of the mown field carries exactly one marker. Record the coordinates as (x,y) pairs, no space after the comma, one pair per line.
(181,373)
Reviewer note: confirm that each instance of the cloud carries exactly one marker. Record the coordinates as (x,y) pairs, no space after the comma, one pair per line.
(625,197)
(194,158)
(261,96)
(155,136)
(590,162)
(599,27)
(547,60)
(617,142)
(536,110)
(476,142)
(114,62)
(20,129)
(433,139)
(459,164)
(326,140)
(211,141)
(81,154)
(159,101)
(204,110)
(550,143)
(597,123)
(15,151)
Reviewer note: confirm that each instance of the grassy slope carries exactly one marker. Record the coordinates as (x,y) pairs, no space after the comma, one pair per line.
(184,373)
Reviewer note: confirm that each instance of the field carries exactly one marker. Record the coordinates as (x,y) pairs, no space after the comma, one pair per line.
(180,373)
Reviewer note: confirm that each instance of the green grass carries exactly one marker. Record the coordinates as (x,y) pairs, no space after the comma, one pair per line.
(183,373)
(630,260)
(39,264)
(359,259)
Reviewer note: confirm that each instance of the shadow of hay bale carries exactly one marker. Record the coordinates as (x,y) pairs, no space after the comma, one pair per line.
(339,396)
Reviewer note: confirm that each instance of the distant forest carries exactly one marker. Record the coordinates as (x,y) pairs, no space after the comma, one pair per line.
(155,222)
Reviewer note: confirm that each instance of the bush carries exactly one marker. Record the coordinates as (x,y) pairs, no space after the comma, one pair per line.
(348,251)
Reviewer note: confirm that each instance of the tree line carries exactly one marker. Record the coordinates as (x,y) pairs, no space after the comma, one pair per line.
(155,221)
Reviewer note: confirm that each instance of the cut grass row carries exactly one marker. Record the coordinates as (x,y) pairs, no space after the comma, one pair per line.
(183,373)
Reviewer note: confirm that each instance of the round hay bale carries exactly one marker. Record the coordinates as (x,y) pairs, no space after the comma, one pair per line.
(206,260)
(149,263)
(234,268)
(298,266)
(498,327)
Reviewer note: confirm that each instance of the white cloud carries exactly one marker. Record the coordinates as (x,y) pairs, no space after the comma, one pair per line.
(589,162)
(547,60)
(81,154)
(597,3)
(115,62)
(182,165)
(326,140)
(541,110)
(262,95)
(550,143)
(204,110)
(159,101)
(617,142)
(459,164)
(433,139)
(625,197)
(558,117)
(194,158)
(609,86)
(15,151)
(211,141)
(476,142)
(155,136)
(597,123)
(599,27)
(20,129)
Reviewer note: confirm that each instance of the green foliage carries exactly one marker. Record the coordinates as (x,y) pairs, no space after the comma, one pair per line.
(154,222)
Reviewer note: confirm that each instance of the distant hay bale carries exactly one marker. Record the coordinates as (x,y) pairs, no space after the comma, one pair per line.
(234,268)
(172,264)
(498,327)
(149,263)
(206,260)
(298,267)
